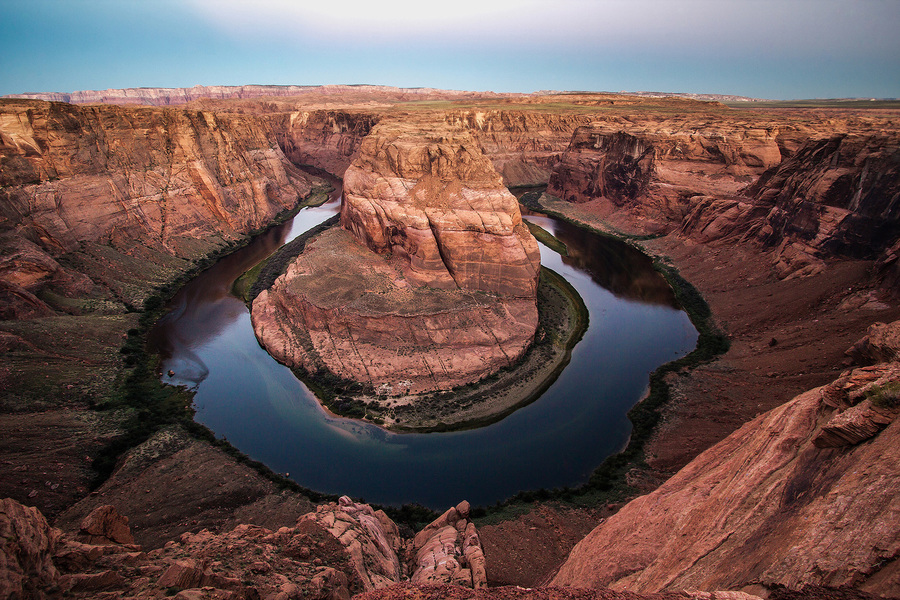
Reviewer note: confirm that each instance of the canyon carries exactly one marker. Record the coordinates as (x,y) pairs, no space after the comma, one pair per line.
(784,220)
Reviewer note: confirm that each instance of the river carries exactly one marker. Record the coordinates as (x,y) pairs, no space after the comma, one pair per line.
(244,395)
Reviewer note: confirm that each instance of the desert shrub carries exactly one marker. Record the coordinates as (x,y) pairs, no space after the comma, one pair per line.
(885,396)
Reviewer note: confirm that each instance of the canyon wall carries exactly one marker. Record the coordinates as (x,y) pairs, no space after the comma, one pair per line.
(432,284)
(523,146)
(325,139)
(166,183)
(807,192)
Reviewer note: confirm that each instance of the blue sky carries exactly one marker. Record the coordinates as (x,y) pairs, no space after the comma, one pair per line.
(761,48)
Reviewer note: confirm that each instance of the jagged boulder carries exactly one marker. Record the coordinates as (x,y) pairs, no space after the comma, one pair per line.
(880,344)
(27,544)
(448,550)
(104,525)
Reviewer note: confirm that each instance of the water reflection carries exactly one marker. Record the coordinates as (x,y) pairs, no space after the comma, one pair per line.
(613,265)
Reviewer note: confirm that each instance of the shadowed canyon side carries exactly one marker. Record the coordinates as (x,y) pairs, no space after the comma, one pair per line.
(808,194)
(806,494)
(430,284)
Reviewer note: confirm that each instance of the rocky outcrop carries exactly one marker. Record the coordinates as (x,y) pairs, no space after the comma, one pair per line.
(340,549)
(448,551)
(880,344)
(27,544)
(431,284)
(371,539)
(793,498)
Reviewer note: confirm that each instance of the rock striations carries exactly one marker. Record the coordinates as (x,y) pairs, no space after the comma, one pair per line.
(430,284)
(806,494)
(807,195)
(140,181)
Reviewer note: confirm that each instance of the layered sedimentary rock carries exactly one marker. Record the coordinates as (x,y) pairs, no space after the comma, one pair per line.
(651,167)
(806,494)
(180,183)
(169,96)
(432,283)
(326,139)
(524,146)
(806,194)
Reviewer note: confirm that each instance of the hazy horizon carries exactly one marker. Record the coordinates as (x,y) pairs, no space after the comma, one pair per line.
(799,49)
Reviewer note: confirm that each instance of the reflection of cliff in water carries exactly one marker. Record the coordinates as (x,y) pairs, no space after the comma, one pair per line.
(614,265)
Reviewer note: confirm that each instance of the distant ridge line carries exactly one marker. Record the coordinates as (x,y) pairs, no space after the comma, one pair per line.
(159,96)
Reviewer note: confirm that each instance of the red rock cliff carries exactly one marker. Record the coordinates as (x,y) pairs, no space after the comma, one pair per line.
(176,182)
(431,196)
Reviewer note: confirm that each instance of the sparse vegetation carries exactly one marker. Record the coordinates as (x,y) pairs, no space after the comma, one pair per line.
(885,396)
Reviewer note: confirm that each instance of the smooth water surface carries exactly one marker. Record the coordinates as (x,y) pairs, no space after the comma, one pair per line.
(262,409)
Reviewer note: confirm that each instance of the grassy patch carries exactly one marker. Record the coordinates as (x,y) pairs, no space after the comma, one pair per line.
(885,396)
(547,238)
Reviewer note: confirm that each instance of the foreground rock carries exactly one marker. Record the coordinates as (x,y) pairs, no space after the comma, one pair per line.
(431,284)
(340,549)
(806,494)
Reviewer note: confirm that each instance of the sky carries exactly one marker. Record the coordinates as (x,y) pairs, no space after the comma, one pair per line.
(784,49)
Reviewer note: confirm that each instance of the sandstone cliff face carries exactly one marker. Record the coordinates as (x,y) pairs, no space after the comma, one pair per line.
(523,146)
(433,287)
(806,193)
(654,166)
(174,183)
(431,196)
(804,494)
(326,139)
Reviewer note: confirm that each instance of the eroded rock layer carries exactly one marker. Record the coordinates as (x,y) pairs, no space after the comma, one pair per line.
(156,184)
(805,494)
(428,194)
(807,194)
(430,285)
